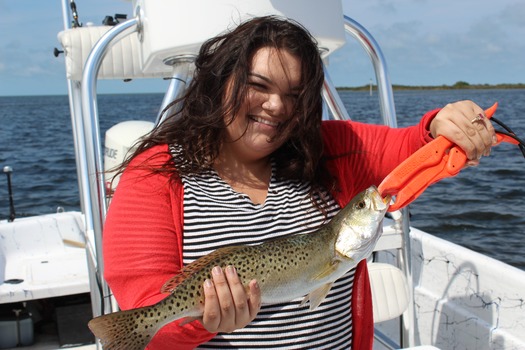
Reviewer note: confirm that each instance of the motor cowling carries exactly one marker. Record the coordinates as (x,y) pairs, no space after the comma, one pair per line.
(120,140)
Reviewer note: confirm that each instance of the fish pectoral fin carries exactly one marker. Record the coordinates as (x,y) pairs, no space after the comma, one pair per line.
(327,270)
(187,320)
(317,296)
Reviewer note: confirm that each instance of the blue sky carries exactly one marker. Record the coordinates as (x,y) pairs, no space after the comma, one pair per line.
(425,42)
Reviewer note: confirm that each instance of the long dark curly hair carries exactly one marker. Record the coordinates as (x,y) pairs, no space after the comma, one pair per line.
(218,89)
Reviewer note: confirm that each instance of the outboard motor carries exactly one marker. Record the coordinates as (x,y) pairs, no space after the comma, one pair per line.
(120,139)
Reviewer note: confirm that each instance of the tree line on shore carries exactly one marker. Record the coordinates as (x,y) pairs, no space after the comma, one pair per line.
(457,85)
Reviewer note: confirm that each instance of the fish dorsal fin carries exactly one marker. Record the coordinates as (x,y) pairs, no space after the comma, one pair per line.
(173,282)
(188,270)
(317,296)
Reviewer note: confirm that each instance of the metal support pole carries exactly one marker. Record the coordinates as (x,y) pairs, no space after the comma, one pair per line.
(388,113)
(386,96)
(182,73)
(76,122)
(332,99)
(97,200)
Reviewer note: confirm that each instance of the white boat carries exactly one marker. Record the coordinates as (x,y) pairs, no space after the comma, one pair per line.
(427,292)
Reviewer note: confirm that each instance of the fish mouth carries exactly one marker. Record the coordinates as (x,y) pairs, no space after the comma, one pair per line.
(380,203)
(386,200)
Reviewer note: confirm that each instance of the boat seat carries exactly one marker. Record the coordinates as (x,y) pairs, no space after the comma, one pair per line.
(122,61)
(390,294)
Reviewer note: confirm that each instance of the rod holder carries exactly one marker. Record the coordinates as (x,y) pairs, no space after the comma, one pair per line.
(8,171)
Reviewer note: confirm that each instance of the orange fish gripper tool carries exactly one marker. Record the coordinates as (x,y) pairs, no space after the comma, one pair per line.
(433,162)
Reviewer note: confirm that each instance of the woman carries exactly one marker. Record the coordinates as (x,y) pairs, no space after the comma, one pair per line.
(246,159)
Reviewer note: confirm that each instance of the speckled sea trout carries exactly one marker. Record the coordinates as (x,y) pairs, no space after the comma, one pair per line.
(285,268)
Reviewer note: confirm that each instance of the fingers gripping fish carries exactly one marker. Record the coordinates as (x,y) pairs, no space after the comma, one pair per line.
(285,268)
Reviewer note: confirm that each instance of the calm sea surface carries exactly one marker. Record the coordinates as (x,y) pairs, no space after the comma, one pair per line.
(483,208)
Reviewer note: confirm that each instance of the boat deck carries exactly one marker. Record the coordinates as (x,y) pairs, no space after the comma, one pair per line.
(42,257)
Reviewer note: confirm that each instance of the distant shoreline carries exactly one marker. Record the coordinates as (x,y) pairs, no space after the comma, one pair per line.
(457,86)
(460,85)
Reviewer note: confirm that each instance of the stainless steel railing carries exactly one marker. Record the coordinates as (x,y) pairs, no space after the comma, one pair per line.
(95,205)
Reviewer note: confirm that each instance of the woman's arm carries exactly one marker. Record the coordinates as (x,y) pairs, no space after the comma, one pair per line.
(142,244)
(368,153)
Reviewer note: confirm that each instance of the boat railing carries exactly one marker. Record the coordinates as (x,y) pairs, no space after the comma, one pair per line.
(388,115)
(85,122)
(97,189)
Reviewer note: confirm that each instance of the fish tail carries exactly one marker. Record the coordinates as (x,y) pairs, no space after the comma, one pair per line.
(124,330)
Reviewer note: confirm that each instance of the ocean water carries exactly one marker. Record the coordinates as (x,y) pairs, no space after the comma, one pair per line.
(483,208)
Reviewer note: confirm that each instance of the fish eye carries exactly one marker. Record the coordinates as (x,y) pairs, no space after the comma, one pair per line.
(361,205)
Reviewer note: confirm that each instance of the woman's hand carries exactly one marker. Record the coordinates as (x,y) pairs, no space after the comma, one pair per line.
(227,305)
(465,124)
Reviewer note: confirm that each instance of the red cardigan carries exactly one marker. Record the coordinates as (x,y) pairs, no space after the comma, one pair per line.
(142,241)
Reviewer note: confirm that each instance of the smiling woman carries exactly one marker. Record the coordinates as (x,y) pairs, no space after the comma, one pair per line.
(252,134)
(247,158)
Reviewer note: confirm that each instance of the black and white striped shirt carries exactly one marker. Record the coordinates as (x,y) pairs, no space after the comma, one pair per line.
(215,215)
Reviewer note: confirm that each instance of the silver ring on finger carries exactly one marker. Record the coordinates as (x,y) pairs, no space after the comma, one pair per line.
(478,118)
